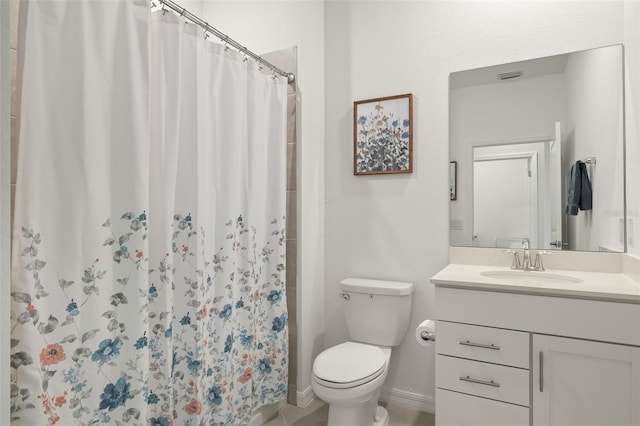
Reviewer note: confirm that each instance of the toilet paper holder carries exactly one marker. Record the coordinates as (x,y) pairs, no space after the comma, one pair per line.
(427,335)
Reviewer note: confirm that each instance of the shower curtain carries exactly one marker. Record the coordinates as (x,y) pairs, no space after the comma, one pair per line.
(149,247)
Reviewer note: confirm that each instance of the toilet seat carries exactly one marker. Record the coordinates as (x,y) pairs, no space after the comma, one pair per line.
(348,365)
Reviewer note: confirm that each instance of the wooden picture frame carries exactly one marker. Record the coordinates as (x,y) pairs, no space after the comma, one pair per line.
(383,135)
(453,180)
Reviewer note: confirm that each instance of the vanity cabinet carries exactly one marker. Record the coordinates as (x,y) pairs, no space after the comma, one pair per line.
(580,382)
(522,359)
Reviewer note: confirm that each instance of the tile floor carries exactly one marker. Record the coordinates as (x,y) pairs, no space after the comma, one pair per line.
(315,414)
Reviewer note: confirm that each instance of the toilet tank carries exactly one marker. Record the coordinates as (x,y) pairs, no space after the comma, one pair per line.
(377,312)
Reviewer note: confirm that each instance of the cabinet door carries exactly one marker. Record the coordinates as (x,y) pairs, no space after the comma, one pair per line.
(579,382)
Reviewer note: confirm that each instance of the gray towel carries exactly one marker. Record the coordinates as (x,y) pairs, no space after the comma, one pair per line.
(578,189)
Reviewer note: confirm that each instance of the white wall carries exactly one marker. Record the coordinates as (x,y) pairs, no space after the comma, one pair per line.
(264,26)
(632,124)
(594,129)
(397,226)
(193,6)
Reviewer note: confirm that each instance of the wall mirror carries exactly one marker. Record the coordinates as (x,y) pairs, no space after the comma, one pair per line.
(516,132)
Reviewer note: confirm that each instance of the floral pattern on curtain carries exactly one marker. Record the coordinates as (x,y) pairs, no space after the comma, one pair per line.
(148,282)
(196,344)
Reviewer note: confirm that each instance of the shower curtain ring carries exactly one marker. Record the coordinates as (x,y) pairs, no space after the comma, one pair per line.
(183,11)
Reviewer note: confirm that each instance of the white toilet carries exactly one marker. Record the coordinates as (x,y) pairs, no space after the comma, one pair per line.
(349,376)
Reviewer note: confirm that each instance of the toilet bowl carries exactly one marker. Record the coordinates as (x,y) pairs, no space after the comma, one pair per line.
(349,376)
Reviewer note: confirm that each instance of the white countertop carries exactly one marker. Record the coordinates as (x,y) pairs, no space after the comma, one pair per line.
(594,285)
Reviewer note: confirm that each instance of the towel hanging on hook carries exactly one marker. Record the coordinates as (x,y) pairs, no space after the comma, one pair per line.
(579,196)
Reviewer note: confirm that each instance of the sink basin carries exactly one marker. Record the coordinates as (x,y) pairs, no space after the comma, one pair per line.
(531,277)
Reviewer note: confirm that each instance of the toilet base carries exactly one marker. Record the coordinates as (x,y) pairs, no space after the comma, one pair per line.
(368,413)
(382,416)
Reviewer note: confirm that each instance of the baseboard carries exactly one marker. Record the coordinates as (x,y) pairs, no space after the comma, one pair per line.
(305,397)
(414,401)
(410,400)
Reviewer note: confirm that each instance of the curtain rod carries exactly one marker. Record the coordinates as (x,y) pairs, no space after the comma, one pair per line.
(225,38)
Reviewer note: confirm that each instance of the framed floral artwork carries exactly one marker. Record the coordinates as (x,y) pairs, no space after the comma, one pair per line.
(383,135)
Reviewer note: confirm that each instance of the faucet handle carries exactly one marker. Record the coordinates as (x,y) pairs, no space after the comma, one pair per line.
(537,265)
(515,263)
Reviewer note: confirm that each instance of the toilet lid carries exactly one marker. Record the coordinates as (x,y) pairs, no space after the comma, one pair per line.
(348,363)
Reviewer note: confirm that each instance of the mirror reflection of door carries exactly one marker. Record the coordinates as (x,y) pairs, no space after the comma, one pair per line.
(553,240)
(505,201)
(517,193)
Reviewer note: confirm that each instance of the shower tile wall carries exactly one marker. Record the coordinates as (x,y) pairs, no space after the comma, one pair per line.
(292,237)
(287,59)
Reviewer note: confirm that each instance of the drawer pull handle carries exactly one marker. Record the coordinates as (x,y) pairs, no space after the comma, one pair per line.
(480,345)
(480,382)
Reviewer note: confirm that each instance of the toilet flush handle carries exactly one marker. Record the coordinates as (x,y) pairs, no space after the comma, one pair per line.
(345,296)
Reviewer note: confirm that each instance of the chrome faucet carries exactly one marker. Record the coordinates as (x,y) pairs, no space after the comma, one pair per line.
(526,264)
(526,255)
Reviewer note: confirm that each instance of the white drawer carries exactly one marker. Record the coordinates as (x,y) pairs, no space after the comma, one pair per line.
(456,409)
(560,316)
(488,344)
(497,382)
